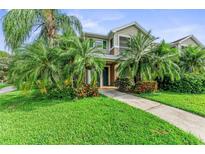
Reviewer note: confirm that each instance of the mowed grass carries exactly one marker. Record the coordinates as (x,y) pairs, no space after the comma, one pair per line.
(194,103)
(2,85)
(100,120)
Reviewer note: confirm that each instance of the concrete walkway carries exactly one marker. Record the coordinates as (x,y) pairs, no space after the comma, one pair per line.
(185,120)
(7,89)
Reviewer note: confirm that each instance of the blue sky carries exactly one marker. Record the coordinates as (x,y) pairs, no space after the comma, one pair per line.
(165,24)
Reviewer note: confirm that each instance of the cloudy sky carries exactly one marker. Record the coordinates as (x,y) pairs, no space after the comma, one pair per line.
(165,24)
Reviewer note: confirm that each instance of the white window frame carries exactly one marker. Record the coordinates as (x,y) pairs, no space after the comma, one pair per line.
(122,35)
(96,43)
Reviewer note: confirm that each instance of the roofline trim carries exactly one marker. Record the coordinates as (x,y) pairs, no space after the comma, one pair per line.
(189,36)
(96,34)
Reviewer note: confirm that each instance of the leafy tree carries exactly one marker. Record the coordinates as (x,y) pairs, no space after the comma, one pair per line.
(39,65)
(4,54)
(165,62)
(19,25)
(136,61)
(4,65)
(192,60)
(35,65)
(145,60)
(84,57)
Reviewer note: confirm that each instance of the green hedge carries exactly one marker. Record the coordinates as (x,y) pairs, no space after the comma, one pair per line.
(69,92)
(128,85)
(145,87)
(124,84)
(189,83)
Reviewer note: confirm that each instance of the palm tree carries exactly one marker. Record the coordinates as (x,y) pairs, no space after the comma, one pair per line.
(19,25)
(192,59)
(4,65)
(165,62)
(83,57)
(137,60)
(35,64)
(146,60)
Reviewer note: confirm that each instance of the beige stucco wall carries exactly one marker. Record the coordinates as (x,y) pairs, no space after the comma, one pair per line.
(189,41)
(129,31)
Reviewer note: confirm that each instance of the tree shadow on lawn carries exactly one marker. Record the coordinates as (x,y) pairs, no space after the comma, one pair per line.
(17,101)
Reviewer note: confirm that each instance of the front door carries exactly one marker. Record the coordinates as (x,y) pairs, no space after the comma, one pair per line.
(105,76)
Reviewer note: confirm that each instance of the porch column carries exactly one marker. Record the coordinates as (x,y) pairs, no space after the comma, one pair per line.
(101,79)
(89,77)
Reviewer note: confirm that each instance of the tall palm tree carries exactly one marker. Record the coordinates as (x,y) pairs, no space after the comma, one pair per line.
(84,57)
(35,64)
(19,25)
(165,62)
(136,61)
(146,60)
(192,60)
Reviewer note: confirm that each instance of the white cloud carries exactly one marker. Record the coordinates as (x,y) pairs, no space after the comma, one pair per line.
(95,24)
(182,29)
(176,32)
(111,17)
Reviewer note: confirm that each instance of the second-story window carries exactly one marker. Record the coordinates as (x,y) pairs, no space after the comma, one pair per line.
(101,44)
(123,42)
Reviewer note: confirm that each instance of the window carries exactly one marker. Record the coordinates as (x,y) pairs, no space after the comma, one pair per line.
(99,43)
(104,44)
(123,42)
(111,43)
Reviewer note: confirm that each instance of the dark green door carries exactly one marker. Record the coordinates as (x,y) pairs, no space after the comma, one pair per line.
(105,76)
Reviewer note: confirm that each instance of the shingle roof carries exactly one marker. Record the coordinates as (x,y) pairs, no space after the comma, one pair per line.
(187,37)
(183,38)
(96,35)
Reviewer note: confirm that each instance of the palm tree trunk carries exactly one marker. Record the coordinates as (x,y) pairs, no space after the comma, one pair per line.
(138,74)
(50,25)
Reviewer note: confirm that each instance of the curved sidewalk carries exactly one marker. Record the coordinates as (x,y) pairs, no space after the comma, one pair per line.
(7,89)
(187,121)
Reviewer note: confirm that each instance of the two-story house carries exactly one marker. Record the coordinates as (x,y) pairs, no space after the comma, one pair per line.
(113,43)
(116,41)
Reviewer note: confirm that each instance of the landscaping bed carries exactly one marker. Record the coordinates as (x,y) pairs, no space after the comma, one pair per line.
(26,119)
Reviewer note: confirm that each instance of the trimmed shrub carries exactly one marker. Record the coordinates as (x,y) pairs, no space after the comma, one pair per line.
(124,84)
(57,93)
(86,90)
(189,83)
(145,87)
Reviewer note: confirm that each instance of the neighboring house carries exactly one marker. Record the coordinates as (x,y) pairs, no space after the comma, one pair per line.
(189,40)
(116,41)
(113,43)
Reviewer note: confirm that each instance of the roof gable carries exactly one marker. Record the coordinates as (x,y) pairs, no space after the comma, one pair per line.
(135,24)
(184,39)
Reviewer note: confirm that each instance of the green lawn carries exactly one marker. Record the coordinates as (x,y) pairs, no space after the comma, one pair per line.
(190,102)
(2,85)
(100,120)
